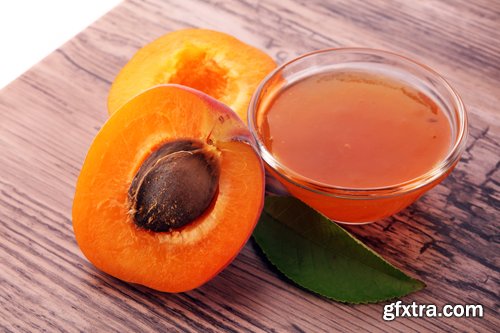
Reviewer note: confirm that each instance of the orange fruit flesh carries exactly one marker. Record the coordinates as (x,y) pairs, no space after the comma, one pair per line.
(209,61)
(185,258)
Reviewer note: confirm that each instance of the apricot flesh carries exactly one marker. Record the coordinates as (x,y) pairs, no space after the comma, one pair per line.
(187,255)
(209,61)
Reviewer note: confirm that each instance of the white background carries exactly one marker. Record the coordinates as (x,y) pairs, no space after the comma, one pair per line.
(32,29)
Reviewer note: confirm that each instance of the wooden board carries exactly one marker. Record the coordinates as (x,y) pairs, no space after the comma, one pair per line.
(49,116)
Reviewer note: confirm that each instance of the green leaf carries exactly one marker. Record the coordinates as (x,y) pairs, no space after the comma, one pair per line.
(324,258)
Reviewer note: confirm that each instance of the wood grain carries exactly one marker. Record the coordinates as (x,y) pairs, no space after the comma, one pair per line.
(449,238)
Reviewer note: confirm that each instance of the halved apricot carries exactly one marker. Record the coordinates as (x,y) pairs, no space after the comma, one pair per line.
(210,61)
(170,190)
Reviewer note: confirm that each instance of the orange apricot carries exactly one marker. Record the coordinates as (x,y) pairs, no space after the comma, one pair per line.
(209,61)
(170,191)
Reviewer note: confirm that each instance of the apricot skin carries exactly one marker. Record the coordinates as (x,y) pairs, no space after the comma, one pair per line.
(186,258)
(210,61)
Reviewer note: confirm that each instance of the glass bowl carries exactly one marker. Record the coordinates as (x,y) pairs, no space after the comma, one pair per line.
(358,205)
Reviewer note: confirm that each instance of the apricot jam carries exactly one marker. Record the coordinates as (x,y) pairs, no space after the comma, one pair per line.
(358,134)
(355,130)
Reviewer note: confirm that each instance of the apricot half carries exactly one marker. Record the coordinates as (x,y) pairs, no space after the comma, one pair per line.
(170,190)
(210,61)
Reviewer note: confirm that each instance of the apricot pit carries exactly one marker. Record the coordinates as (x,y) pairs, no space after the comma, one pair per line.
(174,185)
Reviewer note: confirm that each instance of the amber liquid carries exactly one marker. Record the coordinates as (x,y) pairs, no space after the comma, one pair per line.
(355,130)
